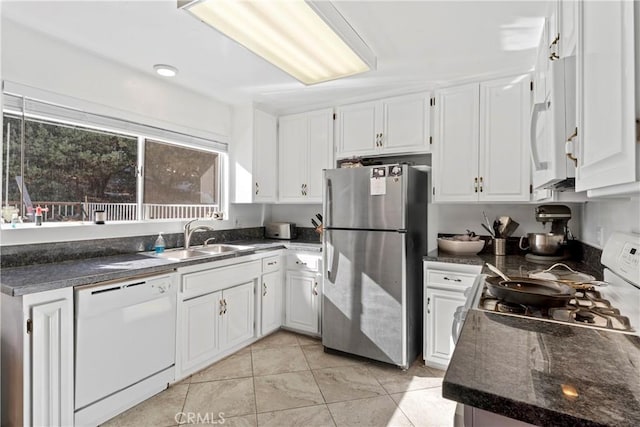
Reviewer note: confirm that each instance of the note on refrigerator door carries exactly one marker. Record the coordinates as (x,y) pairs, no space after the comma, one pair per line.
(378,181)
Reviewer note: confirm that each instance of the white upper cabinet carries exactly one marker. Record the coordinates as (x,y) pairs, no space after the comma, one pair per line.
(265,157)
(398,125)
(253,156)
(455,143)
(504,126)
(480,142)
(542,68)
(607,153)
(305,149)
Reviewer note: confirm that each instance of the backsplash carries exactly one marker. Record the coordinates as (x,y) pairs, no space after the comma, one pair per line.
(44,253)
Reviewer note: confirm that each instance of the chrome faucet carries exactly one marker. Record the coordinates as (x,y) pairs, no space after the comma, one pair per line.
(188,231)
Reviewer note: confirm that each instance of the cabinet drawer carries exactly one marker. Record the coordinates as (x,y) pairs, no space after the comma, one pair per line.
(449,279)
(271,263)
(303,261)
(206,281)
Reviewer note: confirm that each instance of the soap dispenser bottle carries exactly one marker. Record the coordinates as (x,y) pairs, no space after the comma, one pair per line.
(160,244)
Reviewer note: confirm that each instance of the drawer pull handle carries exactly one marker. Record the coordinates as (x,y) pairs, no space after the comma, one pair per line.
(264,287)
(301,263)
(455,280)
(428,302)
(272,263)
(315,288)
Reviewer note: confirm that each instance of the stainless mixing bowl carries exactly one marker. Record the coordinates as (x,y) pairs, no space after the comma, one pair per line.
(543,243)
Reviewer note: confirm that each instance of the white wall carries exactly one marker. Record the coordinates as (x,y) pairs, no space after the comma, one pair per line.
(299,214)
(609,216)
(35,60)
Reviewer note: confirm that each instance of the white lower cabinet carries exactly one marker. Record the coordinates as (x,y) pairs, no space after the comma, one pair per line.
(303,292)
(216,313)
(271,316)
(446,288)
(37,359)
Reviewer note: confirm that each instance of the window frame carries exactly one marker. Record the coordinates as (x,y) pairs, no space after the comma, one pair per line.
(221,209)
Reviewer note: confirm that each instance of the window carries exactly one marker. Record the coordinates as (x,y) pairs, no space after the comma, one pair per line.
(178,180)
(73,169)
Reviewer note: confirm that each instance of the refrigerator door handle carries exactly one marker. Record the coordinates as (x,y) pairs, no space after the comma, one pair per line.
(328,214)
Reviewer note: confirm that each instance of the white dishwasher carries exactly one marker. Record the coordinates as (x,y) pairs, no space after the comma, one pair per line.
(124,344)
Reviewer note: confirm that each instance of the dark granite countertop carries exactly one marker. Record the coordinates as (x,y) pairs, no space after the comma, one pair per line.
(528,370)
(512,265)
(24,280)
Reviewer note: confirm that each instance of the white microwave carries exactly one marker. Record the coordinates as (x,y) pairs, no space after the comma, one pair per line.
(553,123)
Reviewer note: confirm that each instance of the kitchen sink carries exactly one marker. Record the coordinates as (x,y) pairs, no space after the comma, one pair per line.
(222,248)
(182,254)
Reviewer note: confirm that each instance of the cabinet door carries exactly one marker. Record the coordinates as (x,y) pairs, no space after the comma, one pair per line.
(301,301)
(292,170)
(568,20)
(199,329)
(320,152)
(406,127)
(440,306)
(52,363)
(358,126)
(265,168)
(271,302)
(455,145)
(238,319)
(606,149)
(504,141)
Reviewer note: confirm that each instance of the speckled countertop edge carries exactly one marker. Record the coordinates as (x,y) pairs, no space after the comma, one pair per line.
(25,280)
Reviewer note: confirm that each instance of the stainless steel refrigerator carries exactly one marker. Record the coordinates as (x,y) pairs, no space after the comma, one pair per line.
(375,235)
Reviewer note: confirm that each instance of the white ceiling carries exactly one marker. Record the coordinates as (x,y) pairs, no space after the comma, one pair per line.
(418,44)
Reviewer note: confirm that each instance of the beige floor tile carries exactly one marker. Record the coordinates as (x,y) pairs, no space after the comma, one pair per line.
(227,397)
(347,383)
(318,359)
(270,361)
(160,410)
(310,416)
(276,339)
(426,408)
(286,391)
(395,380)
(307,340)
(378,411)
(237,365)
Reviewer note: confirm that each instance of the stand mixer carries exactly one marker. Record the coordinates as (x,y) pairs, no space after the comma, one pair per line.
(551,246)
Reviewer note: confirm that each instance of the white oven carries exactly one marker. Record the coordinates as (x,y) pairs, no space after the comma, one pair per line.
(124,345)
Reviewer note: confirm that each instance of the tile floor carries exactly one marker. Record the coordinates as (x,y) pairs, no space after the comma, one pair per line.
(287,379)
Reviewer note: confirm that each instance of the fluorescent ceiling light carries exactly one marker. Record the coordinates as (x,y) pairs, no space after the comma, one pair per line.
(165,70)
(310,41)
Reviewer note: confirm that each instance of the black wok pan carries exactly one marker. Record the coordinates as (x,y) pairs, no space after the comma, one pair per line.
(535,292)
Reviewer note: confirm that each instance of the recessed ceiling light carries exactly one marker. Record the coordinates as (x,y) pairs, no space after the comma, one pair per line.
(165,70)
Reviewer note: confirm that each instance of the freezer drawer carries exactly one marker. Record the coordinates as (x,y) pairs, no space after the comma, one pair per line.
(364,307)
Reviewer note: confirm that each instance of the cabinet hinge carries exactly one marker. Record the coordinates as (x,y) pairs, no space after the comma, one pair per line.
(531,85)
(29,326)
(430,140)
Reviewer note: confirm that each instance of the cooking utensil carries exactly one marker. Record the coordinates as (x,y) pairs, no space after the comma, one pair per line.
(543,243)
(486,220)
(535,292)
(496,229)
(488,229)
(498,271)
(510,227)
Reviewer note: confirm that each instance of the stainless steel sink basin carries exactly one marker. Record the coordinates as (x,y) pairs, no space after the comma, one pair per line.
(222,248)
(182,254)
